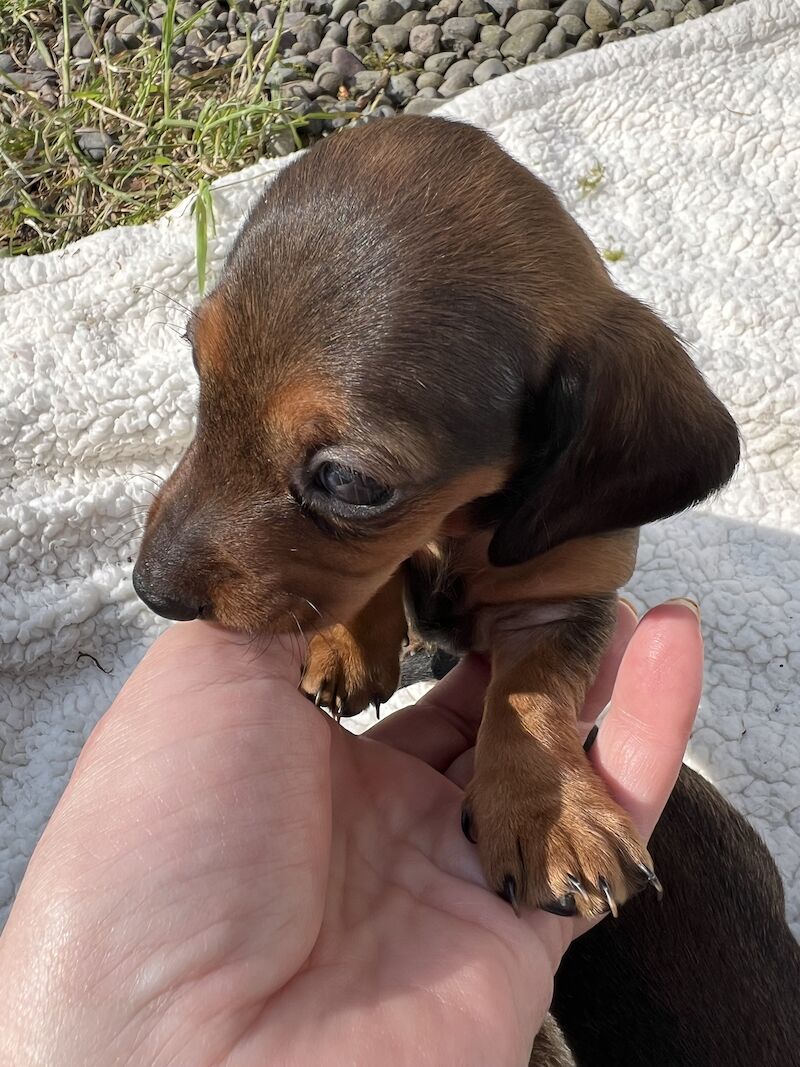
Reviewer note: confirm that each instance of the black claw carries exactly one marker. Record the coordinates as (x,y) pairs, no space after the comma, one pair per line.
(591,737)
(578,886)
(318,697)
(563,906)
(466,825)
(509,892)
(652,879)
(377,705)
(606,891)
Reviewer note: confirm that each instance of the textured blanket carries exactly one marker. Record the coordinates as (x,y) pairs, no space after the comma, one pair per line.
(679,154)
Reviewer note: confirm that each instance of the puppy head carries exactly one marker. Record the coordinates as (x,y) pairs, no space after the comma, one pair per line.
(408,323)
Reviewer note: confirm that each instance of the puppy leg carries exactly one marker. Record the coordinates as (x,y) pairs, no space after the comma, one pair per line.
(349,667)
(549,834)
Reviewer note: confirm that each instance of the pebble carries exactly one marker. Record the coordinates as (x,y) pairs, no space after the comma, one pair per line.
(573,27)
(358,32)
(520,45)
(490,68)
(523,20)
(554,43)
(429,80)
(393,38)
(425,40)
(601,16)
(653,20)
(459,29)
(380,12)
(437,50)
(346,64)
(494,36)
(439,62)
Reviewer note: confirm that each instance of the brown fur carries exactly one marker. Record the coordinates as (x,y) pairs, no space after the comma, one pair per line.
(411,302)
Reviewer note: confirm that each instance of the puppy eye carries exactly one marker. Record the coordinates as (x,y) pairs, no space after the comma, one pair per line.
(351,486)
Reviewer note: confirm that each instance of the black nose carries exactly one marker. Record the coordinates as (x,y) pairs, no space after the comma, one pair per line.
(163,602)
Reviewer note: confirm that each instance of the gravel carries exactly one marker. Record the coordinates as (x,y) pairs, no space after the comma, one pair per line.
(371,57)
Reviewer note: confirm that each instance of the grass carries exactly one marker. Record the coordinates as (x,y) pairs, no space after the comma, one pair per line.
(172,136)
(591,180)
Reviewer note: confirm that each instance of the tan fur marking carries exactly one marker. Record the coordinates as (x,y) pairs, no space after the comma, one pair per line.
(212,333)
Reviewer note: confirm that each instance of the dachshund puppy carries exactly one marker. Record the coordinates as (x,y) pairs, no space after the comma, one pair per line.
(422,398)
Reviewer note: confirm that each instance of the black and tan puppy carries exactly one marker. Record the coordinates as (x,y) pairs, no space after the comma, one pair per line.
(420,394)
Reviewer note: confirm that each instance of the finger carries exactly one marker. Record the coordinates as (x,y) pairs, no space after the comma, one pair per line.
(642,741)
(444,723)
(600,692)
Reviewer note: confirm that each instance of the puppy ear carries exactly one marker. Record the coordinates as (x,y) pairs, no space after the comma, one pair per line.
(625,432)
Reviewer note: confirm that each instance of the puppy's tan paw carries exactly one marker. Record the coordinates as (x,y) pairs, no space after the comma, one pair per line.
(344,676)
(553,838)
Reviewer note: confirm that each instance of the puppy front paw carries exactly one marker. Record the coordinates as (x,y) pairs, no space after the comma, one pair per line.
(343,675)
(549,836)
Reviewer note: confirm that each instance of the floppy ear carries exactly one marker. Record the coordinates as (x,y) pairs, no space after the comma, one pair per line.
(625,432)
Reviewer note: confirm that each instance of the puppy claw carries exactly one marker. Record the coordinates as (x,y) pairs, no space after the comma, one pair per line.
(563,906)
(509,892)
(652,879)
(577,885)
(318,697)
(606,891)
(377,705)
(466,825)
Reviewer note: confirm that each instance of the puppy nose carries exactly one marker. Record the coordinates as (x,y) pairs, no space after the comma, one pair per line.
(164,602)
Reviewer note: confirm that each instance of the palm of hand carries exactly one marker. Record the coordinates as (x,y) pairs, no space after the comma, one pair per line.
(229,878)
(272,886)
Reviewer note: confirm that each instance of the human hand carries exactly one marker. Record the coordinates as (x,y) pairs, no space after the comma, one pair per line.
(231,878)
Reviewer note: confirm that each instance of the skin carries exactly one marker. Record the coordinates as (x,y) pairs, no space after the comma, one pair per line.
(230,878)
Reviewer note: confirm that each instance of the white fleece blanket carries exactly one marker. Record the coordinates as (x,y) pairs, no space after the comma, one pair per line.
(697,133)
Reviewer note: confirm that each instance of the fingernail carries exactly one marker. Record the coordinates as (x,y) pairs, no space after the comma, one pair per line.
(591,737)
(627,603)
(685,602)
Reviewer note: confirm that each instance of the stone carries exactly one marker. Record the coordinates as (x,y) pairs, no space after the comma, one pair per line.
(439,62)
(459,30)
(458,69)
(412,19)
(601,16)
(422,106)
(429,94)
(450,7)
(7,63)
(358,32)
(346,64)
(520,45)
(572,7)
(83,47)
(504,9)
(401,89)
(425,40)
(494,36)
(590,39)
(533,5)
(429,80)
(652,21)
(321,55)
(631,8)
(393,38)
(525,19)
(554,43)
(95,143)
(381,12)
(436,16)
(327,78)
(672,6)
(342,7)
(488,18)
(470,8)
(491,68)
(573,27)
(482,52)
(696,8)
(366,80)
